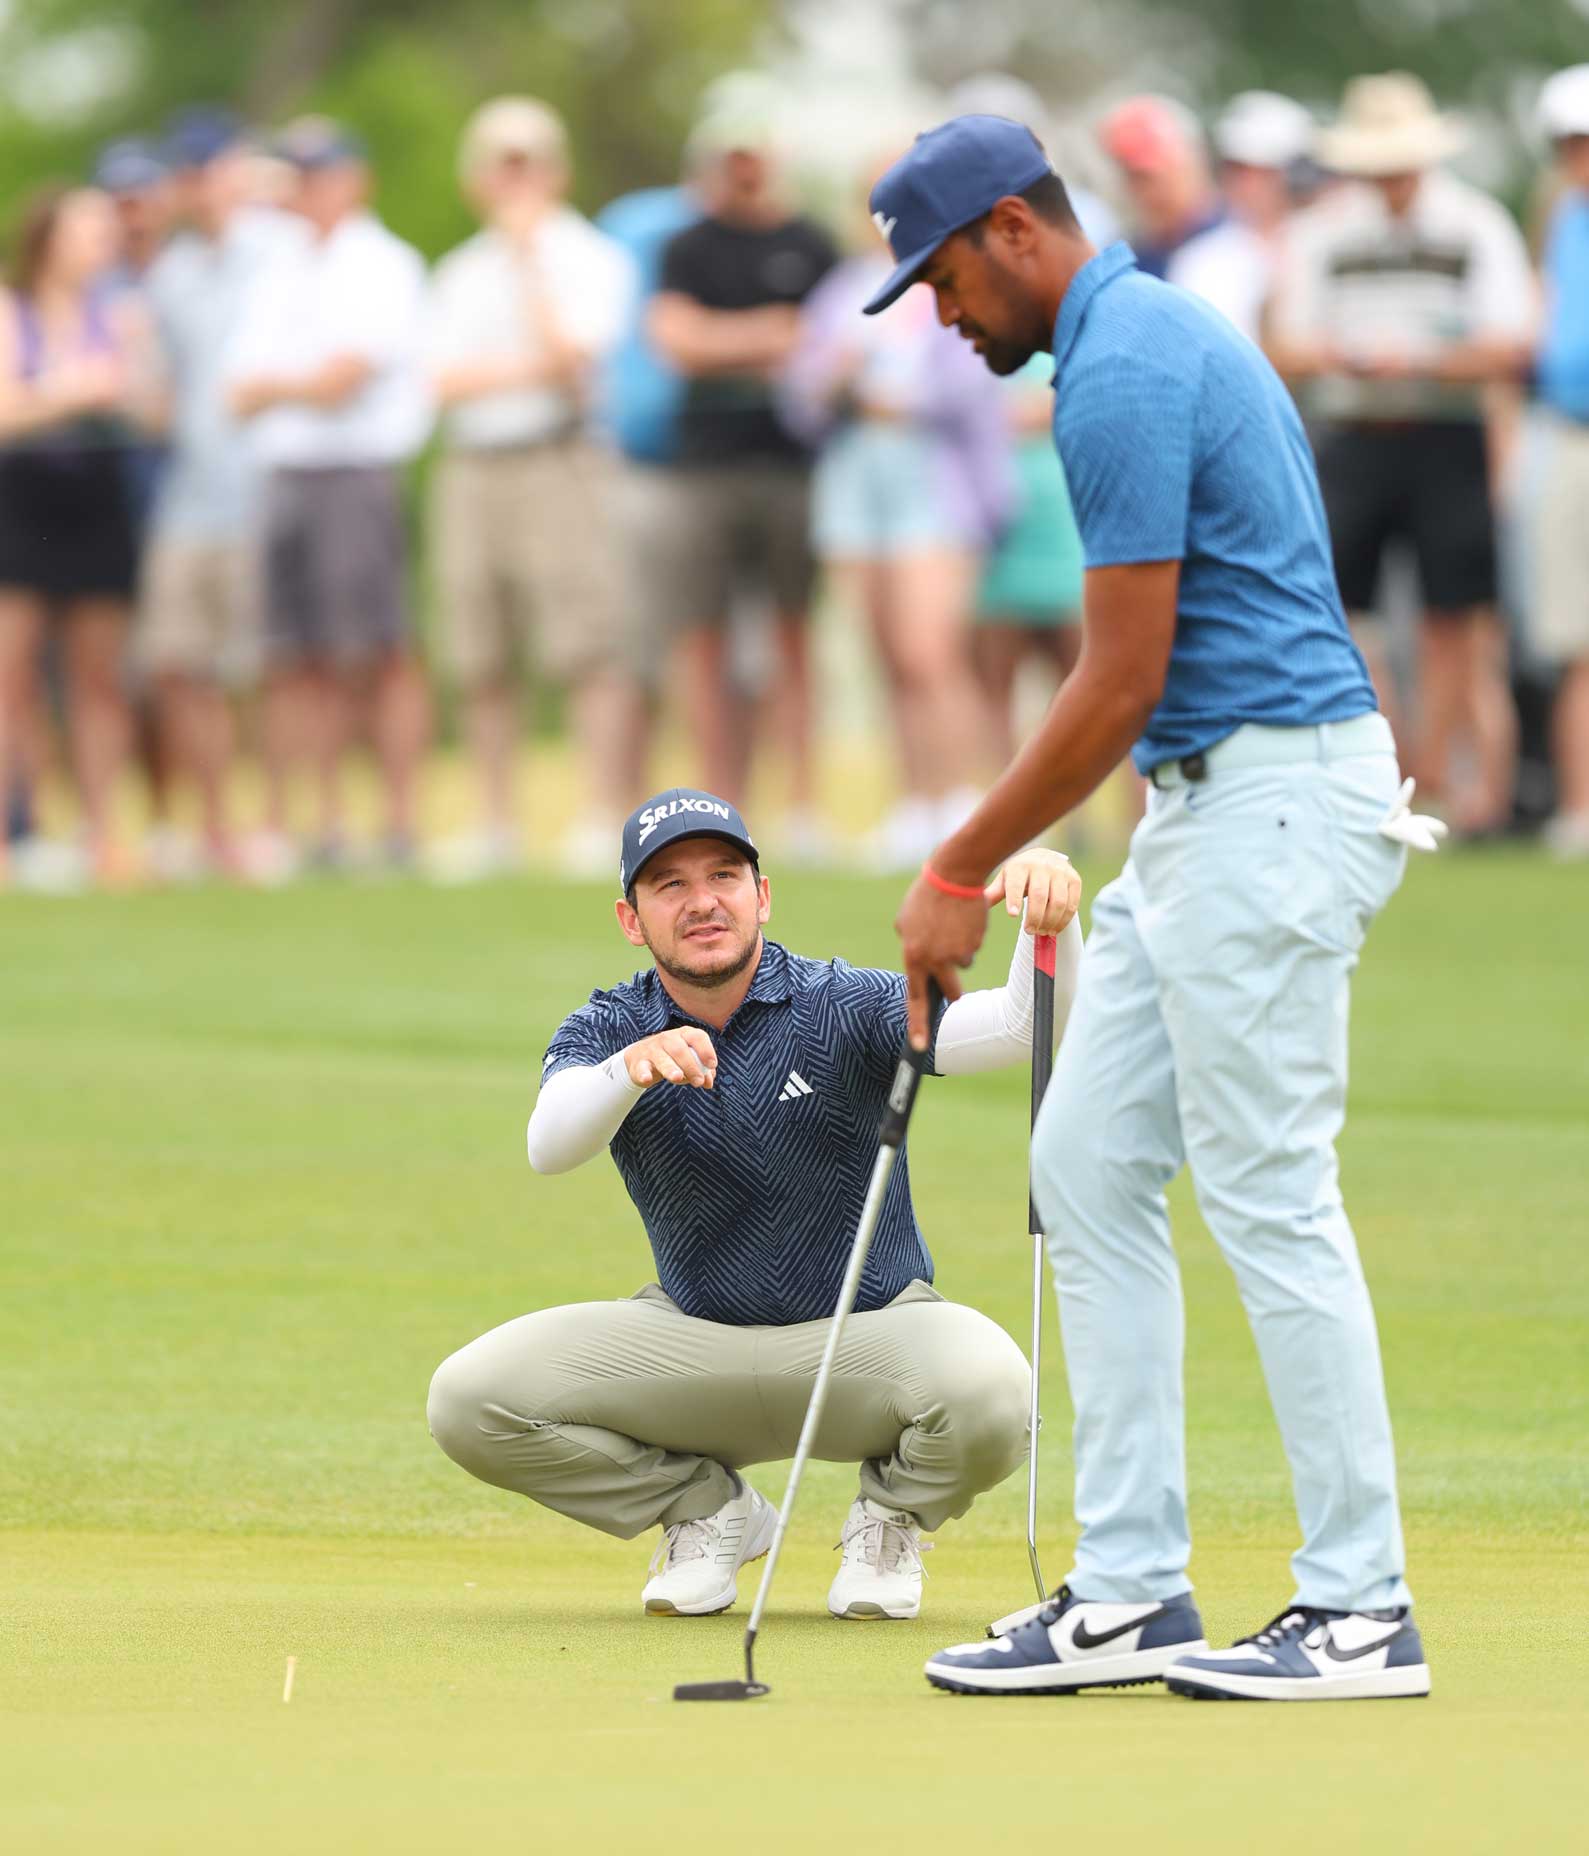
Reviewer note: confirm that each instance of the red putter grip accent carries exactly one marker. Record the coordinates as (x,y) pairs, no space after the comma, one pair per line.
(1043,954)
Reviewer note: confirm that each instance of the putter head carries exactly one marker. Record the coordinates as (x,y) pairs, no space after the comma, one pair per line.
(719,1691)
(1001,1627)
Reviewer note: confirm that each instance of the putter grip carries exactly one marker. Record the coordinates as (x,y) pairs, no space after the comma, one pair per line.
(1043,957)
(913,1065)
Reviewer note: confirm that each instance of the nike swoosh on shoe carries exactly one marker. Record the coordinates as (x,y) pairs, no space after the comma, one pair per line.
(1085,1639)
(1350,1656)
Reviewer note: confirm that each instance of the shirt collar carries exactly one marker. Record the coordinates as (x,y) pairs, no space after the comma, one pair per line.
(771,982)
(1112,262)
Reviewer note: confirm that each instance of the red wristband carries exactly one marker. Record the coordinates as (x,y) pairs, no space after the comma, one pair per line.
(966,892)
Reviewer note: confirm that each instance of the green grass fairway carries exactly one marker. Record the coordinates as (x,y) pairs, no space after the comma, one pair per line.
(262,1167)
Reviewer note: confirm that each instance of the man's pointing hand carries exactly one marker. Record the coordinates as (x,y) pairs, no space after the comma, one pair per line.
(682,1055)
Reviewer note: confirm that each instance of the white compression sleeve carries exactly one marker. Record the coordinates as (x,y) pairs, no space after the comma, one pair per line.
(989,1030)
(577,1113)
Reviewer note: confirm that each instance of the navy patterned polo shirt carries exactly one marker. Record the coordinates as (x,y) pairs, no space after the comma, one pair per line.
(750,1191)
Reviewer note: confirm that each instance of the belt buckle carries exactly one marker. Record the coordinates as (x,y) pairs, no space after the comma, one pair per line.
(1192,767)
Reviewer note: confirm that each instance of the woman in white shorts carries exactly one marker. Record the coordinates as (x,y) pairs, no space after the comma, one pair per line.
(912,484)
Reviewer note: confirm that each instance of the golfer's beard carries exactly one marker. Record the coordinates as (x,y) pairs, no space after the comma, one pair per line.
(1004,358)
(677,969)
(1008,355)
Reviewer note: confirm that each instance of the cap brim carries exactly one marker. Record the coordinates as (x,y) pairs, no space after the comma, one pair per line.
(742,845)
(901,278)
(908,270)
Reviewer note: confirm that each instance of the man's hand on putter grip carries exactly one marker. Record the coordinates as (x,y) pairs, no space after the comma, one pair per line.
(681,1055)
(940,934)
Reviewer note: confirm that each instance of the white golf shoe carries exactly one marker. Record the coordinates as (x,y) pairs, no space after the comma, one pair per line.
(881,1573)
(1308,1654)
(695,1571)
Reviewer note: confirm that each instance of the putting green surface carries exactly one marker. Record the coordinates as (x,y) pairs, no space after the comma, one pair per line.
(261,1167)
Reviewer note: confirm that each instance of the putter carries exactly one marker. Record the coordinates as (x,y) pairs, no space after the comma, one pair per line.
(891,1137)
(1043,956)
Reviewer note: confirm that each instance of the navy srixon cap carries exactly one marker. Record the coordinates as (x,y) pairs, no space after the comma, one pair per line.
(952,176)
(680,812)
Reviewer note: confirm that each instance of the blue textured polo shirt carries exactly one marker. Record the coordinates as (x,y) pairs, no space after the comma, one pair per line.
(751,1191)
(1564,349)
(1180,442)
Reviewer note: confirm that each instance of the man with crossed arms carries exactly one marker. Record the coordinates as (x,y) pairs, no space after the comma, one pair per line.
(739,1088)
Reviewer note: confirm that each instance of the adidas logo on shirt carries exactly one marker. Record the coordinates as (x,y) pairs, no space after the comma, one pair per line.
(795,1087)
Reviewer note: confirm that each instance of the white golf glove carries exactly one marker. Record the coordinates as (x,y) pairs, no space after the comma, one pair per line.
(1417,830)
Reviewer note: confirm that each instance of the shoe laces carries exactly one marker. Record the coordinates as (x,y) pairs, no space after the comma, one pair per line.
(890,1546)
(1292,1623)
(685,1540)
(1054,1607)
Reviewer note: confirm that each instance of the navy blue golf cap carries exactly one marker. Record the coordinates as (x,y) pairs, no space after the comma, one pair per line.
(197,136)
(952,176)
(680,812)
(131,166)
(314,143)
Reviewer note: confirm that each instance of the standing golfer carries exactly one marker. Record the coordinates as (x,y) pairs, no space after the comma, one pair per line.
(739,1088)
(1210,1022)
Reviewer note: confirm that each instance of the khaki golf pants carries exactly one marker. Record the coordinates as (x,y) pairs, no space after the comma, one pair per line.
(629,1415)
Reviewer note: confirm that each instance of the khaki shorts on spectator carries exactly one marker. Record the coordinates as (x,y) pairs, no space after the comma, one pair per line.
(642,507)
(697,535)
(526,553)
(335,570)
(1561,617)
(199,612)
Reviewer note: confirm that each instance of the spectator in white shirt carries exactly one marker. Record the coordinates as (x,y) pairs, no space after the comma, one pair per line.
(198,636)
(1402,298)
(526,557)
(1261,140)
(328,370)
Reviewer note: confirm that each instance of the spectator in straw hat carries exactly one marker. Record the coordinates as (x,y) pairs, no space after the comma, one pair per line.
(1562,529)
(1401,299)
(522,314)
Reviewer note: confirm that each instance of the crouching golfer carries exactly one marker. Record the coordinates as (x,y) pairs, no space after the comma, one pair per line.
(739,1088)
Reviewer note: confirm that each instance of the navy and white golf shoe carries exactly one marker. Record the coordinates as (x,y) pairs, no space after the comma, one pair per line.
(1311,1655)
(1074,1643)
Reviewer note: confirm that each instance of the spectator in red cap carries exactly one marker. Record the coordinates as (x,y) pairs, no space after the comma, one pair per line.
(1158,146)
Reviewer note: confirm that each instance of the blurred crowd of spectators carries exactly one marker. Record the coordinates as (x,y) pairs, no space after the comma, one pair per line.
(656,434)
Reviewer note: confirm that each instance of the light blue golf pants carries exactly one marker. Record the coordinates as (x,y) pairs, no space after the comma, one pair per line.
(1210,1027)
